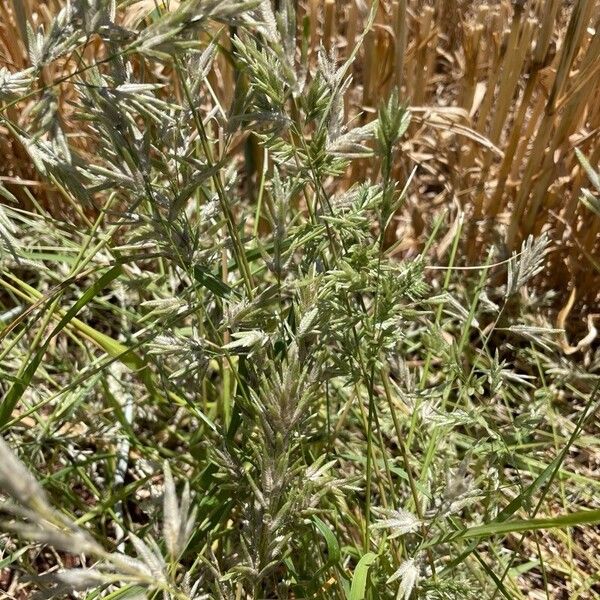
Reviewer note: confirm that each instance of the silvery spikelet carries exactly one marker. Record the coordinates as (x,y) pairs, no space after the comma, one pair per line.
(16,480)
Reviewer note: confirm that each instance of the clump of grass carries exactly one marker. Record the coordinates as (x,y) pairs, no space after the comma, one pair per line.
(341,424)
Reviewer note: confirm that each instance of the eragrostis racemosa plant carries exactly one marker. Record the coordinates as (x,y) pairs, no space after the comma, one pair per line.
(259,328)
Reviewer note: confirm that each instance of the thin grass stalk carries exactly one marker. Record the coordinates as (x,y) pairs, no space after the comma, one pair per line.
(509,70)
(472,36)
(421,63)
(491,54)
(512,64)
(400,36)
(352,27)
(434,41)
(572,42)
(313,13)
(512,69)
(505,53)
(528,134)
(329,32)
(576,107)
(13,44)
(579,17)
(448,16)
(539,61)
(369,73)
(386,56)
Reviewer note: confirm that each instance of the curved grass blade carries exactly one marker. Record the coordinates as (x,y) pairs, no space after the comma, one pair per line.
(358,589)
(333,547)
(582,517)
(20,385)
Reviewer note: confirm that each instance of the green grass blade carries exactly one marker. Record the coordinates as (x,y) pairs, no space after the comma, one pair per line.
(20,385)
(358,589)
(582,517)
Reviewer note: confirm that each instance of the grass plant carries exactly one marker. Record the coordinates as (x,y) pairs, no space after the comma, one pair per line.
(235,363)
